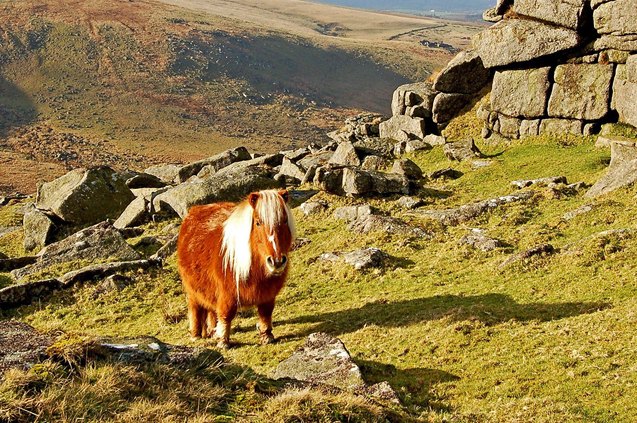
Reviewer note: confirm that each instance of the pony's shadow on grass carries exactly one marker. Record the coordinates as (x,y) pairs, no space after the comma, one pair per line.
(412,385)
(490,309)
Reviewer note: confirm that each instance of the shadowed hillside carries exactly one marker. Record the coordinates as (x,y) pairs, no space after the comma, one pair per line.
(148,82)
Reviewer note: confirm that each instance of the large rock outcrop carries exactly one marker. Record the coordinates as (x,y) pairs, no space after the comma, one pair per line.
(553,66)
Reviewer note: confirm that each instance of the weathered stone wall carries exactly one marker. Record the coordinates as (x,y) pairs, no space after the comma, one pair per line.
(564,66)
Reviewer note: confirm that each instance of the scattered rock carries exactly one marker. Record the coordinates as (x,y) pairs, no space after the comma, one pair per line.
(135,214)
(25,293)
(313,207)
(478,239)
(578,211)
(406,168)
(417,145)
(435,140)
(387,225)
(403,128)
(291,170)
(352,213)
(382,391)
(448,173)
(98,242)
(38,230)
(144,180)
(85,197)
(169,248)
(213,164)
(376,163)
(365,258)
(21,346)
(222,186)
(409,203)
(357,182)
(323,360)
(8,264)
(148,349)
(540,181)
(621,172)
(167,173)
(455,216)
(345,154)
(540,250)
(461,150)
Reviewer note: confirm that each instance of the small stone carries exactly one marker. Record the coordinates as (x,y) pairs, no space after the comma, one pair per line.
(409,203)
(406,168)
(461,150)
(365,258)
(448,173)
(313,207)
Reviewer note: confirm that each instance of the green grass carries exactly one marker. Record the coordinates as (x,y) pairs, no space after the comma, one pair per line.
(547,339)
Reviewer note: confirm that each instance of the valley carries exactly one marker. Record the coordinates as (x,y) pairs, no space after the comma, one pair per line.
(153,82)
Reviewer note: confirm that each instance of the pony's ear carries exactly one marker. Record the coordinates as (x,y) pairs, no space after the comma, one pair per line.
(285,195)
(253,198)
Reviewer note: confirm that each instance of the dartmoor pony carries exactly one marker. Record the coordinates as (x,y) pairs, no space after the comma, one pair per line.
(232,256)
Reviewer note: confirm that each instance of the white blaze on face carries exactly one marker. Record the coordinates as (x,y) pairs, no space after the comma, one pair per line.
(271,239)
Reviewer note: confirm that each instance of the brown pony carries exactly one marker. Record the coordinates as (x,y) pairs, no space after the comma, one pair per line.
(232,256)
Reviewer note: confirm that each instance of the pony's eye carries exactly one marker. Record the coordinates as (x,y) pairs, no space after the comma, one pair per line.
(258,222)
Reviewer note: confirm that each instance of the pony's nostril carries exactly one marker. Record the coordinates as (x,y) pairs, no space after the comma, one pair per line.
(270,261)
(284,259)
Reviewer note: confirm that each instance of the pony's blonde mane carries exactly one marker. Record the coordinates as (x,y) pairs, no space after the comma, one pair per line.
(235,245)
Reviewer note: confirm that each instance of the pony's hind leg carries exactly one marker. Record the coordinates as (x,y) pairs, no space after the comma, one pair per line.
(265,322)
(196,318)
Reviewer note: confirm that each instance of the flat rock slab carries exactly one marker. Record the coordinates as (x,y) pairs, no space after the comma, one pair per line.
(563,13)
(148,349)
(21,346)
(352,213)
(98,242)
(520,92)
(85,197)
(224,185)
(322,360)
(581,91)
(516,40)
(467,212)
(621,172)
(388,225)
(364,258)
(465,74)
(523,183)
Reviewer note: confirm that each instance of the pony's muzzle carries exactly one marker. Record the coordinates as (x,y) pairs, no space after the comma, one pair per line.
(276,265)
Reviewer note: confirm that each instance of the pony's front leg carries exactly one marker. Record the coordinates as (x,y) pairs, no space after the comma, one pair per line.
(224,320)
(265,322)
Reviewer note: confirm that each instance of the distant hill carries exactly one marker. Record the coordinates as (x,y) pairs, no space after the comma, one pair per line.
(134,83)
(422,6)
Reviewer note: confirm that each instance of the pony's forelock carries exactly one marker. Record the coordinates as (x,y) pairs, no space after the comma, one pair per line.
(235,244)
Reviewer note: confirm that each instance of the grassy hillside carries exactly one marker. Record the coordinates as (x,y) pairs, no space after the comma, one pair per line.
(148,82)
(546,339)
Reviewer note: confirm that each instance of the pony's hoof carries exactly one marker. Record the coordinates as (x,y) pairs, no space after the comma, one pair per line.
(267,338)
(223,345)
